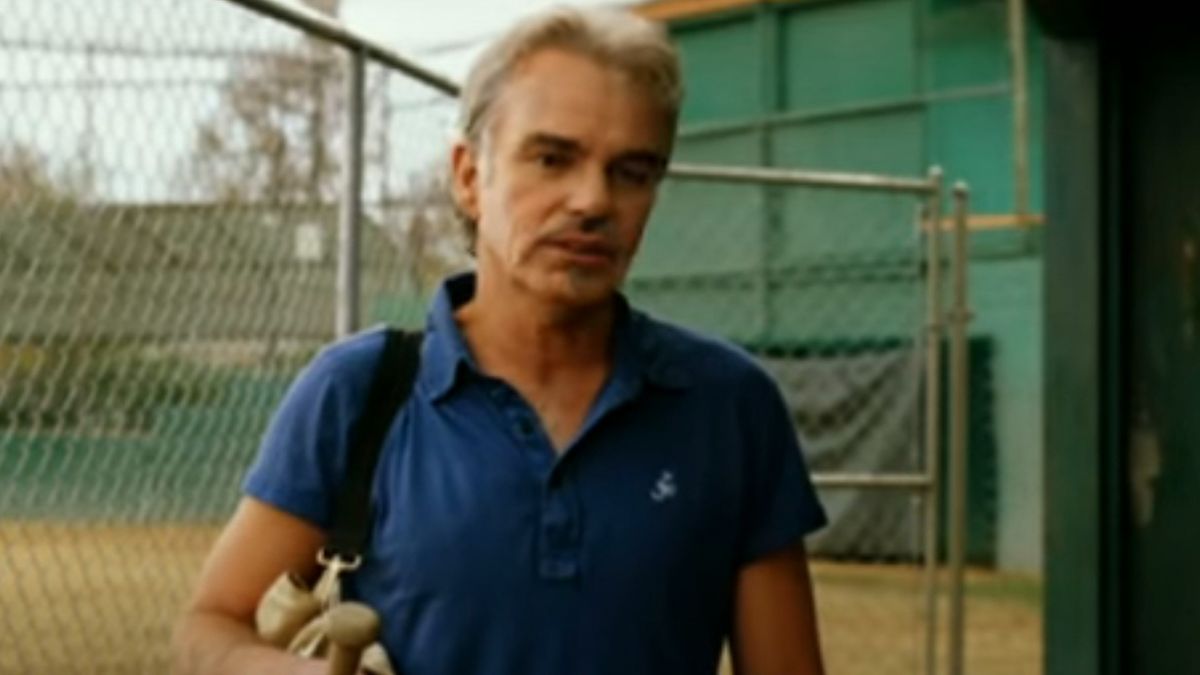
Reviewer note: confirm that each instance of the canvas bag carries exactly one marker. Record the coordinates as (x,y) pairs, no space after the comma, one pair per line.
(292,615)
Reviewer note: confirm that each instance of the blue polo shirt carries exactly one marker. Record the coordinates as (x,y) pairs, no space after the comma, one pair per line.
(491,554)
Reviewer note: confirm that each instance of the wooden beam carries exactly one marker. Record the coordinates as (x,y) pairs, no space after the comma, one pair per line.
(670,10)
(998,221)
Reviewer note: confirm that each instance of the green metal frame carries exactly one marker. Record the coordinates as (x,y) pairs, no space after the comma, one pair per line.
(1082,370)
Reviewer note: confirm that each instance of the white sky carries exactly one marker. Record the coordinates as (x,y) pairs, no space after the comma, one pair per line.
(442,34)
(69,87)
(409,24)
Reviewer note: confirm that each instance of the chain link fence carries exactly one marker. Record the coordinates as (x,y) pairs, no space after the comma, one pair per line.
(169,198)
(826,285)
(170,195)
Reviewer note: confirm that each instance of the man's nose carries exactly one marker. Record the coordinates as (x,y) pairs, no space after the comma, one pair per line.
(591,194)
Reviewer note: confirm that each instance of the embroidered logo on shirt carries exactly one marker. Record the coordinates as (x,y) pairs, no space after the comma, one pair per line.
(665,488)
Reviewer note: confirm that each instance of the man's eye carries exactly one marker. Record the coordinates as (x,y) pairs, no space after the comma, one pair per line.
(634,175)
(552,160)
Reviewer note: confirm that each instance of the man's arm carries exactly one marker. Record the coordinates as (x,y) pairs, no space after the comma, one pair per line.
(774,623)
(215,635)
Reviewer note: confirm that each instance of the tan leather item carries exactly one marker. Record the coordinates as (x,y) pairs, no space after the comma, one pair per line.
(286,607)
(291,615)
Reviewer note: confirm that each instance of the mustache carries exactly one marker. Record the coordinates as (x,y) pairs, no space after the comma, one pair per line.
(598,227)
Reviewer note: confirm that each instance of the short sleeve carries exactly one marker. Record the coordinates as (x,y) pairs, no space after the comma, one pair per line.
(781,506)
(303,453)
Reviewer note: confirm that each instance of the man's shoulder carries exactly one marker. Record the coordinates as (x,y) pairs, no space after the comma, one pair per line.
(700,358)
(351,360)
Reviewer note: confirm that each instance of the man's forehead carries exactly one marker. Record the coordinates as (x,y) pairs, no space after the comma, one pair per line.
(551,76)
(562,94)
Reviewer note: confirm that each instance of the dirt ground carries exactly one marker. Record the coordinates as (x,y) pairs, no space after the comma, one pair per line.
(872,621)
(101,599)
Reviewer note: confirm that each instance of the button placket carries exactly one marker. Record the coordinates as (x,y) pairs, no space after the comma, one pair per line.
(559,536)
(526,428)
(522,425)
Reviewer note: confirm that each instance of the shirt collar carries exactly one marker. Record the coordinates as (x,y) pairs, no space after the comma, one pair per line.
(445,348)
(641,355)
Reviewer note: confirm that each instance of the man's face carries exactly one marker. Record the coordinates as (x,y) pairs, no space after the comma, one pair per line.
(565,180)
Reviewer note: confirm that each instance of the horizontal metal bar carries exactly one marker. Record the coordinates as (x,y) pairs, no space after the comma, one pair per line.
(850,181)
(98,48)
(312,22)
(865,109)
(880,270)
(901,481)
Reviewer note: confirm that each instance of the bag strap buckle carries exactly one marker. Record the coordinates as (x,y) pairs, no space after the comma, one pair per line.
(329,588)
(331,560)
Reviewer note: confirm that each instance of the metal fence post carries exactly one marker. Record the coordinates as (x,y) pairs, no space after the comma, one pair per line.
(959,318)
(348,272)
(933,418)
(1020,111)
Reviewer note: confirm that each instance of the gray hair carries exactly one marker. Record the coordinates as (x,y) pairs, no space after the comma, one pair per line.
(633,45)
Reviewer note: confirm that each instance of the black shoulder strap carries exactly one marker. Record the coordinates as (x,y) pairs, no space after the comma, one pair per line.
(390,388)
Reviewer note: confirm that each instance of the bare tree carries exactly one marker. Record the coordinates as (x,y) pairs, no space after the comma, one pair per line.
(270,141)
(274,139)
(423,223)
(27,180)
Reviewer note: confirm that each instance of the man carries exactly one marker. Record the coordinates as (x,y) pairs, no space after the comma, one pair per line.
(573,488)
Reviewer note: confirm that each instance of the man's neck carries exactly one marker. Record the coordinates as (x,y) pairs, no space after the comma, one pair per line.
(512,332)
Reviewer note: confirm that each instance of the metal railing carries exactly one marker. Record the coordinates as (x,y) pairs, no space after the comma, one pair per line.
(938,326)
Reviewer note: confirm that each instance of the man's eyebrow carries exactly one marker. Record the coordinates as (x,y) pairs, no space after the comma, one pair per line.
(565,144)
(542,139)
(656,159)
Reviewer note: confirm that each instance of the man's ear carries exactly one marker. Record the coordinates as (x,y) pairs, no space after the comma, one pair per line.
(464,175)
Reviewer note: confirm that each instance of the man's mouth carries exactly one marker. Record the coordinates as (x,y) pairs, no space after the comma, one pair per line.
(587,251)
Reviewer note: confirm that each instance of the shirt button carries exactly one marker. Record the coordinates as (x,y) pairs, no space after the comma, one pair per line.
(555,516)
(525,427)
(559,568)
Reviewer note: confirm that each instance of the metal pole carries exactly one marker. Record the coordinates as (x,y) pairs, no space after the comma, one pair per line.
(312,21)
(89,117)
(893,481)
(851,181)
(960,317)
(1020,109)
(348,270)
(770,227)
(933,418)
